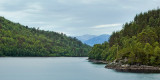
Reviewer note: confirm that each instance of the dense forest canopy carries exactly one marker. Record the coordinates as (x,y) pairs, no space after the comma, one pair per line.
(137,43)
(19,40)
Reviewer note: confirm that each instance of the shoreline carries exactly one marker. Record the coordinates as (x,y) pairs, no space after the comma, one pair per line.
(128,68)
(97,61)
(134,68)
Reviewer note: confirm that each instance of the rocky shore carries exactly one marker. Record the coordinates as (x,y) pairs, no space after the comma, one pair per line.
(97,61)
(134,68)
(128,68)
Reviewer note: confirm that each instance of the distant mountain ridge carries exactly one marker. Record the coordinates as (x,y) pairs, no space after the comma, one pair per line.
(85,37)
(97,40)
(93,39)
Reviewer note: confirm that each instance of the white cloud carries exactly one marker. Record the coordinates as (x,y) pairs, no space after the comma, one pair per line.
(107,25)
(81,1)
(91,1)
(3,1)
(34,7)
(17,15)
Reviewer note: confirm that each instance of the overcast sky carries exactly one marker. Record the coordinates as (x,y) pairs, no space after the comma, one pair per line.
(75,17)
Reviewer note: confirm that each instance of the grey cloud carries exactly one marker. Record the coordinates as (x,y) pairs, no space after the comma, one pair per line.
(74,17)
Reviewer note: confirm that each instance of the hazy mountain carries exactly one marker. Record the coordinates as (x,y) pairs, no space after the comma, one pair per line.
(86,37)
(93,39)
(97,40)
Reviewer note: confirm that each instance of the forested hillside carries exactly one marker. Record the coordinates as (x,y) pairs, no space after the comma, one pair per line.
(19,40)
(137,43)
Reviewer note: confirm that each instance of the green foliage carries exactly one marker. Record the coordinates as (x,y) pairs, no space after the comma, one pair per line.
(137,43)
(131,58)
(157,55)
(148,35)
(19,40)
(152,60)
(99,51)
(112,53)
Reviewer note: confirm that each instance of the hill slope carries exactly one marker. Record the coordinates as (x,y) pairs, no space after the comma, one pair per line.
(19,40)
(97,40)
(137,43)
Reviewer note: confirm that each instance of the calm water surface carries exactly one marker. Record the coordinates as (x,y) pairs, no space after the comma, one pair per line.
(62,68)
